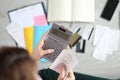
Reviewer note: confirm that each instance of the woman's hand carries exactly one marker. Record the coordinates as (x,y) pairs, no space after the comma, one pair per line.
(39,52)
(70,75)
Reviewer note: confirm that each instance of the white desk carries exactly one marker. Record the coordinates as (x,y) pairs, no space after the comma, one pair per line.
(87,65)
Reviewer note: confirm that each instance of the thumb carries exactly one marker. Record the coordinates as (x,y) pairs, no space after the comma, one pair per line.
(62,74)
(71,75)
(48,51)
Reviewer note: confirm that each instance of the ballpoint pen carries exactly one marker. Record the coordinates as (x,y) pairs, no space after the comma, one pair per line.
(65,77)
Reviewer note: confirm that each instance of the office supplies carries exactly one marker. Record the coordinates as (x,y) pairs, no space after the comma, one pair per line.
(28,36)
(109,9)
(86,34)
(71,10)
(75,38)
(38,33)
(57,39)
(80,46)
(67,59)
(25,16)
(40,20)
(15,31)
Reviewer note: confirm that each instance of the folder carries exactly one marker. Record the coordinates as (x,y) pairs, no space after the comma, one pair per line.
(38,33)
(28,35)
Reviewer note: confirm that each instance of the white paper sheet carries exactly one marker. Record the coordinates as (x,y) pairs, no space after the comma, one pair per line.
(67,59)
(99,31)
(99,54)
(87,32)
(16,32)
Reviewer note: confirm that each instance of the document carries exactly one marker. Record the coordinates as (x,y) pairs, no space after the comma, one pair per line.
(25,16)
(15,31)
(87,32)
(108,43)
(67,59)
(99,31)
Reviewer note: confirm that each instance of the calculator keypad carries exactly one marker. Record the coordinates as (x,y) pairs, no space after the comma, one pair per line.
(56,45)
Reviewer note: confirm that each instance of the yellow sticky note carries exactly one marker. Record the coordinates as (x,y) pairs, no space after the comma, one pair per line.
(28,35)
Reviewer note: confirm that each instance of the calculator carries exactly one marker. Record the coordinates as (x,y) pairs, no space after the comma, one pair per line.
(57,39)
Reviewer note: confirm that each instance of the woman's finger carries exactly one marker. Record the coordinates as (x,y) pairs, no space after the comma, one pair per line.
(41,42)
(71,75)
(47,51)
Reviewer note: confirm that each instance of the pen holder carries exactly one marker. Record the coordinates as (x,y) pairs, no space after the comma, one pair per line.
(74,39)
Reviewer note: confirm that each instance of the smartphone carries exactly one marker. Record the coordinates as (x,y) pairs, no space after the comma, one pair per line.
(109,9)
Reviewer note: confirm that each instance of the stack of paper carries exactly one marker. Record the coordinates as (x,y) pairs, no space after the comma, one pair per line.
(32,15)
(106,42)
(27,26)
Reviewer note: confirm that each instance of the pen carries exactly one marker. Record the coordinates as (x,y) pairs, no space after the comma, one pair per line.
(65,77)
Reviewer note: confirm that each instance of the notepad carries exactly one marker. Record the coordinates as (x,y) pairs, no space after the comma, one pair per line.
(38,33)
(28,35)
(71,10)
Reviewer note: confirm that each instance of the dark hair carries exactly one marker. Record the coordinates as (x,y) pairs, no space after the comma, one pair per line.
(16,64)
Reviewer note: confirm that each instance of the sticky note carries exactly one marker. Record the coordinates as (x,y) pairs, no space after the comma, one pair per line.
(28,35)
(40,20)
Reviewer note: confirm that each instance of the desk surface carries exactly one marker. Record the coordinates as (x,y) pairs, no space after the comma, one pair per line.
(109,69)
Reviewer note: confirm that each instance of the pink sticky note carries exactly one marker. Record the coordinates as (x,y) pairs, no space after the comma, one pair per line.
(40,20)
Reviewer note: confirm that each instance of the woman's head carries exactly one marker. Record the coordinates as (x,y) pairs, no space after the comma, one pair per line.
(16,64)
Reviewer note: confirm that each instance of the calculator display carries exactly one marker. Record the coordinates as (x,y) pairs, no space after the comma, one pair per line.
(60,34)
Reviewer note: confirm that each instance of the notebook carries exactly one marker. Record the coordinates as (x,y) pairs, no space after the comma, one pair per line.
(38,33)
(71,10)
(28,35)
